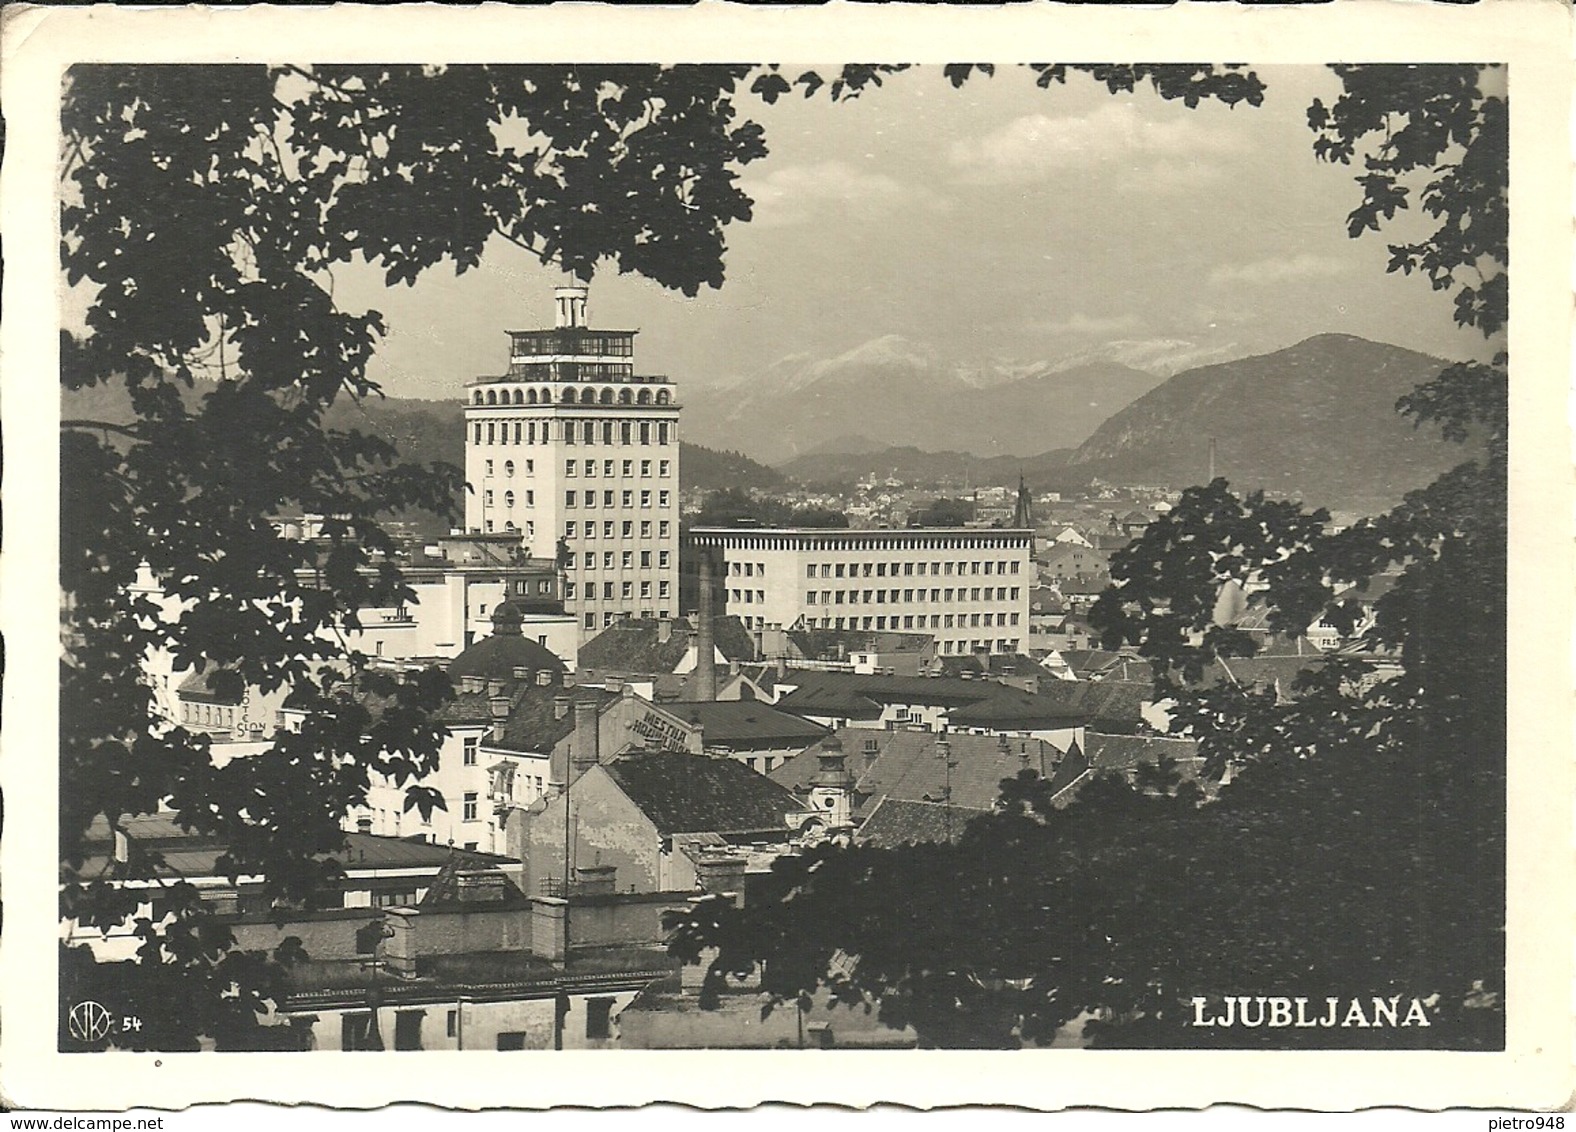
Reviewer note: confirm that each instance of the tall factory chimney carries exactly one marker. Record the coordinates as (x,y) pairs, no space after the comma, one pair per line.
(705,632)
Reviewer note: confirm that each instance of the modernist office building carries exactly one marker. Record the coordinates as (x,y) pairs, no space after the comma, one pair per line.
(580,455)
(968,588)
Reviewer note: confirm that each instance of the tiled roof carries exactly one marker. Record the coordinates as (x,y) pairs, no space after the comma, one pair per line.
(635,645)
(684,793)
(1082,587)
(860,696)
(822,644)
(469,879)
(534,724)
(1086,663)
(197,686)
(1019,710)
(1043,599)
(499,655)
(746,725)
(195,855)
(1124,752)
(1266,671)
(906,765)
(992,663)
(896,822)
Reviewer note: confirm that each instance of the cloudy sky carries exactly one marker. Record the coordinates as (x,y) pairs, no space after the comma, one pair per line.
(996,223)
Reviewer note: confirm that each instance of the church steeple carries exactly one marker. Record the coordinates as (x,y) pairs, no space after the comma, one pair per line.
(1023,513)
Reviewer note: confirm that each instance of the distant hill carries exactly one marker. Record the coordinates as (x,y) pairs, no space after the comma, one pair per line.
(706,469)
(902,394)
(427,432)
(1315,421)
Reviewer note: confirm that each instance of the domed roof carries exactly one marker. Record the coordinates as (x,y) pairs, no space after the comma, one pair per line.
(496,657)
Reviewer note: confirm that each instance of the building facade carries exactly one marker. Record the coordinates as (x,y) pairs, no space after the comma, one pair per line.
(969,589)
(580,455)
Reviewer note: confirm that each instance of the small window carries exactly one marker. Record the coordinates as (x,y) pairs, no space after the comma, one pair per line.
(407,1029)
(470,806)
(508,467)
(471,742)
(599,1014)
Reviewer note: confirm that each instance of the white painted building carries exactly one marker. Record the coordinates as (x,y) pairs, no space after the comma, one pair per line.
(969,589)
(580,455)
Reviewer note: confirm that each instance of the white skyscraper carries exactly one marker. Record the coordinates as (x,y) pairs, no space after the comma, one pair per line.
(580,455)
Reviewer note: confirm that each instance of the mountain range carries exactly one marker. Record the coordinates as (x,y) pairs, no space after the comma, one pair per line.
(1315,421)
(892,391)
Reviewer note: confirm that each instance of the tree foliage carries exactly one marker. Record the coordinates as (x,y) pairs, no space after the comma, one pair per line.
(1347,840)
(733,507)
(205,212)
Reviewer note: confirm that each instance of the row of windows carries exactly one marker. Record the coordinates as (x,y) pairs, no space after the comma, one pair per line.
(606,343)
(893,597)
(508,467)
(208,714)
(961,648)
(626,592)
(609,617)
(908,569)
(522,370)
(625,561)
(570,432)
(747,569)
(575,396)
(508,498)
(664,498)
(625,530)
(864,542)
(626,468)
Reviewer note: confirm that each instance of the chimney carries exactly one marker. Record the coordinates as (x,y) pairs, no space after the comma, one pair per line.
(584,753)
(782,667)
(570,303)
(494,688)
(733,668)
(759,637)
(522,673)
(499,707)
(596,880)
(560,705)
(705,646)
(471,684)
(721,875)
(664,630)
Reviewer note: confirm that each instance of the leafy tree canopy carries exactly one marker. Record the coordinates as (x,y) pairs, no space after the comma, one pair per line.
(205,211)
(1348,839)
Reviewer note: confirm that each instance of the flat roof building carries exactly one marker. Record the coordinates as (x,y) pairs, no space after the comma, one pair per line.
(967,588)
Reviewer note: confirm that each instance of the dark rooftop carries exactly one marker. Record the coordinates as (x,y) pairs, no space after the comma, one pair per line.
(896,822)
(746,724)
(684,793)
(635,645)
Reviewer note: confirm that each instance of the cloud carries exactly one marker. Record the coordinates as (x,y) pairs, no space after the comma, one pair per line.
(1086,325)
(796,194)
(1280,269)
(1037,145)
